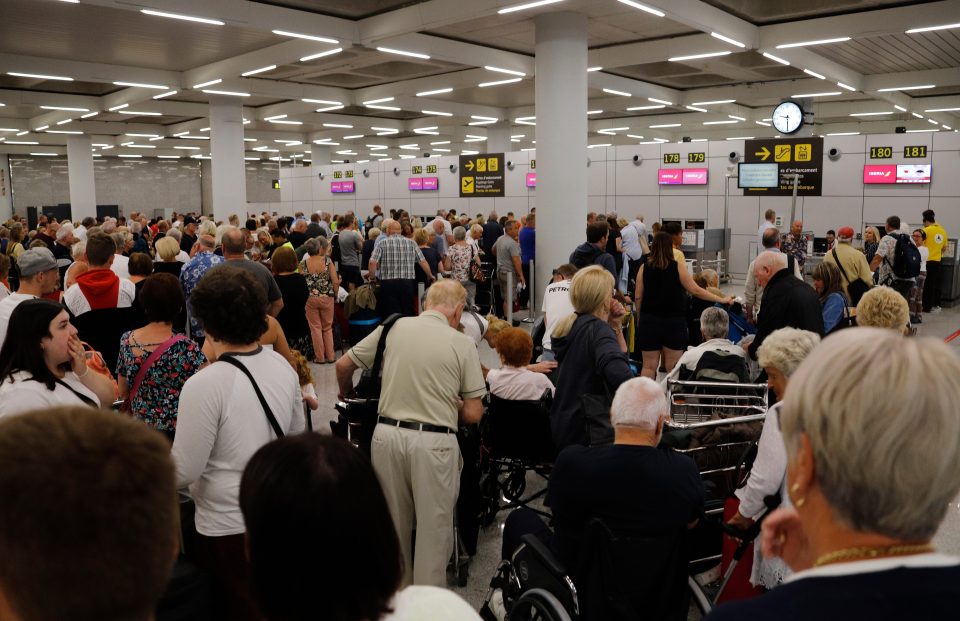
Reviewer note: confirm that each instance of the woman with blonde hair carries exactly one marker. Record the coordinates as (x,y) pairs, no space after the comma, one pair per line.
(871,240)
(167,250)
(884,307)
(591,353)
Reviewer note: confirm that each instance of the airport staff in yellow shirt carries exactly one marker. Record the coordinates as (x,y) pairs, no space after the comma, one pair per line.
(937,244)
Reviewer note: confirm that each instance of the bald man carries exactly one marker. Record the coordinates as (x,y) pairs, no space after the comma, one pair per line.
(794,244)
(787,301)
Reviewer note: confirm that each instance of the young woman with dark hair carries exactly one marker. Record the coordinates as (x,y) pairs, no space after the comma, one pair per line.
(310,500)
(42,363)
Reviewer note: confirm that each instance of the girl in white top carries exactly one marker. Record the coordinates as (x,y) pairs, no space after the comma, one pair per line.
(42,363)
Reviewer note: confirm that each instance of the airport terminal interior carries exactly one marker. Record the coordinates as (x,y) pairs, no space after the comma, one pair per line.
(687,126)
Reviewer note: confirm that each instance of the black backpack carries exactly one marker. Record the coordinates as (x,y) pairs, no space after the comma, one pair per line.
(906,257)
(720,366)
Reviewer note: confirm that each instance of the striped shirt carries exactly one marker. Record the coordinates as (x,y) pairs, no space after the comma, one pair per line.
(396,257)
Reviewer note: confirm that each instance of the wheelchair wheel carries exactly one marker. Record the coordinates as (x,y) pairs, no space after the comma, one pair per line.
(538,605)
(515,484)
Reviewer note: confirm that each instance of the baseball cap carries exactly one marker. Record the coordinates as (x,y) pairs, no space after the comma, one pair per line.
(36,260)
(189,220)
(845,232)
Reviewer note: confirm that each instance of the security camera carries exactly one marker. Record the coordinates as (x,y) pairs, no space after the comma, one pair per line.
(453,168)
(509,165)
(834,154)
(637,159)
(366,173)
(320,174)
(734,156)
(396,171)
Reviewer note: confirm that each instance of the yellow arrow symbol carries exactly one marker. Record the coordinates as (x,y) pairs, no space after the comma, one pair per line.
(764,153)
(469,165)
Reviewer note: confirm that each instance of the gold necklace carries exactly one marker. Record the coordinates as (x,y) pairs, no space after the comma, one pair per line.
(871,552)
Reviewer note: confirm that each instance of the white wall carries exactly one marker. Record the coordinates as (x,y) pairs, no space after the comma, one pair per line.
(616,183)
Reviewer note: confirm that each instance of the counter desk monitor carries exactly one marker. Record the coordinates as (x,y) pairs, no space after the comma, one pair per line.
(758,176)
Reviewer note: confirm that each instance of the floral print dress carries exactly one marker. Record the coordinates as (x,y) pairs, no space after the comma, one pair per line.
(159,395)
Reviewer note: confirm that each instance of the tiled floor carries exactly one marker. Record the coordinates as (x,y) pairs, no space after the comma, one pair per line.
(482,567)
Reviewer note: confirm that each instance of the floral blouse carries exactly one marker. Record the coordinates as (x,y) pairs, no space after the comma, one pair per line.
(318,284)
(460,258)
(159,395)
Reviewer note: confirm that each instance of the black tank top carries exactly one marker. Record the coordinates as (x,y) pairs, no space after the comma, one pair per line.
(663,294)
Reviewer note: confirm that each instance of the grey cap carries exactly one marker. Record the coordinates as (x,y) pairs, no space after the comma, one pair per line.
(36,260)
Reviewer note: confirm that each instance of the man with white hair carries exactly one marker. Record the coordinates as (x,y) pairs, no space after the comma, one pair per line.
(787,301)
(61,249)
(714,327)
(630,484)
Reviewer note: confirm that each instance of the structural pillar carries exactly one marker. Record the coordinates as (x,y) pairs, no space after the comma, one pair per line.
(229,179)
(561,111)
(83,193)
(498,137)
(320,155)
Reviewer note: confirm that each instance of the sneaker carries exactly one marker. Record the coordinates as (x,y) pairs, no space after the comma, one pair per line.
(916,319)
(935,309)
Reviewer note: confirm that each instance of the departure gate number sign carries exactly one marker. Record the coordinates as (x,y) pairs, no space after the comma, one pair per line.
(915,152)
(671,158)
(696,158)
(881,153)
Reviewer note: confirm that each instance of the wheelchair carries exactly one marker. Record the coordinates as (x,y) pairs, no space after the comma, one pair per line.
(620,576)
(515,439)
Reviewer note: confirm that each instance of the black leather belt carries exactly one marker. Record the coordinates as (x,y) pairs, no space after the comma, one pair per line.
(386,420)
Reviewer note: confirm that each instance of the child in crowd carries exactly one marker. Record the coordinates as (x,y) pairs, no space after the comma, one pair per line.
(306,379)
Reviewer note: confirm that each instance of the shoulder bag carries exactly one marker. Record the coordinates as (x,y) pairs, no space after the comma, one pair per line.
(263,402)
(856,288)
(370,380)
(477,274)
(142,373)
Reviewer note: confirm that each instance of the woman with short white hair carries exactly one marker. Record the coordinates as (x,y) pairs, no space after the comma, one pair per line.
(870,480)
(780,356)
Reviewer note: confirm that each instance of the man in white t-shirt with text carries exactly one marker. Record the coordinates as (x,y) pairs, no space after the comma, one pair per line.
(556,304)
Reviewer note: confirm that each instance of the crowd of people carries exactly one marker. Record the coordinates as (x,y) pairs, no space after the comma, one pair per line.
(217,323)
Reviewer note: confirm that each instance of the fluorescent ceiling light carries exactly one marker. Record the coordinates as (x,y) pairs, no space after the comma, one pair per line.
(439,142)
(643,7)
(410,147)
(189,137)
(931,28)
(870,113)
(613,129)
(379,107)
(64,122)
(385,131)
(440,150)
(665,125)
(40,76)
(717,35)
(847,87)
(594,112)
(660,101)
(528,5)
(436,113)
(498,82)
(260,70)
(902,109)
(844,134)
(43,127)
(376,101)
(9,129)
(142,135)
(177,157)
(695,109)
(907,88)
(338,125)
(475,139)
(228,93)
(157,87)
(283,122)
(275,117)
(611,91)
(762,123)
(210,83)
(928,121)
(525,120)
(909,131)
(490,119)
(167,94)
(656,107)
(45,154)
(290,142)
(592,69)
(63,131)
(815,74)
(735,117)
(717,122)
(322,101)
(776,59)
(189,18)
(635,136)
(677,59)
(390,50)
(438,91)
(507,71)
(376,147)
(120,107)
(140,113)
(65,108)
(22,142)
(594,146)
(335,50)
(827,94)
(140,146)
(919,116)
(943,110)
(329,108)
(741,138)
(817,42)
(346,152)
(710,103)
(129,155)
(297,35)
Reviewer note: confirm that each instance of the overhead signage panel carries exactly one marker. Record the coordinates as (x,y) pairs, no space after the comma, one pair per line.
(481,176)
(792,156)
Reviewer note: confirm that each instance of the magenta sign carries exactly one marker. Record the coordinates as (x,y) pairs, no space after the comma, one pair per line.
(879,173)
(431,183)
(415,183)
(670,176)
(532,180)
(694,176)
(342,187)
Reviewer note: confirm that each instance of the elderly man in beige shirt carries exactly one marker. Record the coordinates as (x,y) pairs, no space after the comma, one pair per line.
(432,380)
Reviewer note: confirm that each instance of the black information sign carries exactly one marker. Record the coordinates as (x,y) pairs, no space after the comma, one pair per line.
(533,164)
(276,184)
(801,156)
(348,174)
(696,158)
(671,158)
(881,153)
(431,169)
(338,174)
(417,170)
(481,175)
(915,152)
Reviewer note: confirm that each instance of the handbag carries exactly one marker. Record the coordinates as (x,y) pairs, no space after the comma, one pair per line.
(477,274)
(142,373)
(97,364)
(855,288)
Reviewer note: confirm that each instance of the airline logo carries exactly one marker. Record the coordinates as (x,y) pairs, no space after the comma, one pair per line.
(879,173)
(532,180)
(431,183)
(694,176)
(342,187)
(671,176)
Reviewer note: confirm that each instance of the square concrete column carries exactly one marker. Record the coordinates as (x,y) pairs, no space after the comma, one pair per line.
(561,111)
(229,181)
(83,194)
(498,137)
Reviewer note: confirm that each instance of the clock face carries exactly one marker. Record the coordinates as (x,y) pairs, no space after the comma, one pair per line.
(787,117)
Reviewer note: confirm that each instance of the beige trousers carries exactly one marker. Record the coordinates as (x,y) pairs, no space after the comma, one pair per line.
(419,472)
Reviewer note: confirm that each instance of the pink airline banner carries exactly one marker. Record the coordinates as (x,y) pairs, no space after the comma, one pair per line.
(342,187)
(532,180)
(416,184)
(694,176)
(682,176)
(879,173)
